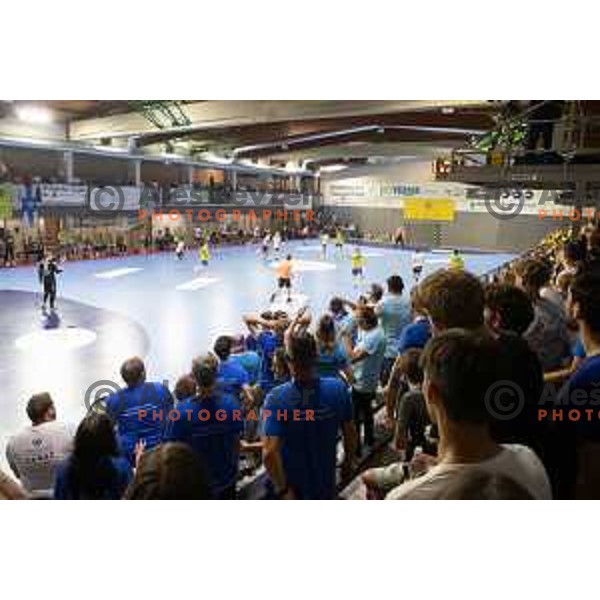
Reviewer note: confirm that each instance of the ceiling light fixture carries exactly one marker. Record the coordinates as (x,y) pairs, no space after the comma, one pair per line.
(31,113)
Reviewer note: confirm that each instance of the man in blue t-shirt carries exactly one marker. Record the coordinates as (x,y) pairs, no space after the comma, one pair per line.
(367,359)
(139,410)
(394,314)
(232,378)
(211,423)
(579,438)
(301,423)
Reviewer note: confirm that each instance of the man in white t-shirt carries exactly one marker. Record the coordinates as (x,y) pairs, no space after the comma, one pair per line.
(460,375)
(34,453)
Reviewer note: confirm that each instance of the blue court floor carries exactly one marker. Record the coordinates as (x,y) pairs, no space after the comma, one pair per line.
(164,309)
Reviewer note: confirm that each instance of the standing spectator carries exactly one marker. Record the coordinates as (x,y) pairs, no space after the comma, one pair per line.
(547,335)
(508,314)
(394,314)
(332,360)
(460,368)
(417,333)
(95,470)
(302,419)
(138,410)
(232,378)
(367,360)
(578,471)
(211,423)
(35,453)
(171,471)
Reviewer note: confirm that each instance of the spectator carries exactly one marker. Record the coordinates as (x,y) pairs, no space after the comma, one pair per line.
(95,470)
(211,423)
(35,453)
(547,335)
(411,413)
(232,378)
(185,387)
(332,360)
(367,359)
(580,441)
(171,471)
(459,370)
(394,315)
(508,314)
(343,320)
(302,419)
(137,409)
(248,359)
(417,333)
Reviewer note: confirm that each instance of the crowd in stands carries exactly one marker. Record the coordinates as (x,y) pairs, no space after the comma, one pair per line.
(487,389)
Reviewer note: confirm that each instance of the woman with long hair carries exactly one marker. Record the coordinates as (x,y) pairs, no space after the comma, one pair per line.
(95,470)
(332,359)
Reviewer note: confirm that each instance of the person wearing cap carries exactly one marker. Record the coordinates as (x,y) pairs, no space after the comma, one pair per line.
(211,422)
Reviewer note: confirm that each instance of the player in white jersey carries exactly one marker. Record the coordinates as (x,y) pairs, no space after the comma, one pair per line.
(180,249)
(265,246)
(277,243)
(324,242)
(418,261)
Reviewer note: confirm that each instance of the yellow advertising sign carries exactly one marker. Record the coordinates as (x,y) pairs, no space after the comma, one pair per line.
(429,209)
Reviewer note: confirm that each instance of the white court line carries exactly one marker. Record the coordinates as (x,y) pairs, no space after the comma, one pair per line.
(433,261)
(196,284)
(299,265)
(117,273)
(370,254)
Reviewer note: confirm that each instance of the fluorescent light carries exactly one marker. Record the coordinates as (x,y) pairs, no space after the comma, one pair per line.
(31,113)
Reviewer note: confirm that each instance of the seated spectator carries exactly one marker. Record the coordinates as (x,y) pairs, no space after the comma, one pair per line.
(547,335)
(211,423)
(367,360)
(302,419)
(460,368)
(135,408)
(35,453)
(232,378)
(394,314)
(579,440)
(170,471)
(332,360)
(95,470)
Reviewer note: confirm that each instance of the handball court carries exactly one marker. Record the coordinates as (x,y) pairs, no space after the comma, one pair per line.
(165,310)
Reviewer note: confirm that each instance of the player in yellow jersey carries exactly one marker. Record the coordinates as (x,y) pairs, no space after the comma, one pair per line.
(358,263)
(456,262)
(204,253)
(339,242)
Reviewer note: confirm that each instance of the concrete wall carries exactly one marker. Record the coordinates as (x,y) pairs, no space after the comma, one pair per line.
(469,230)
